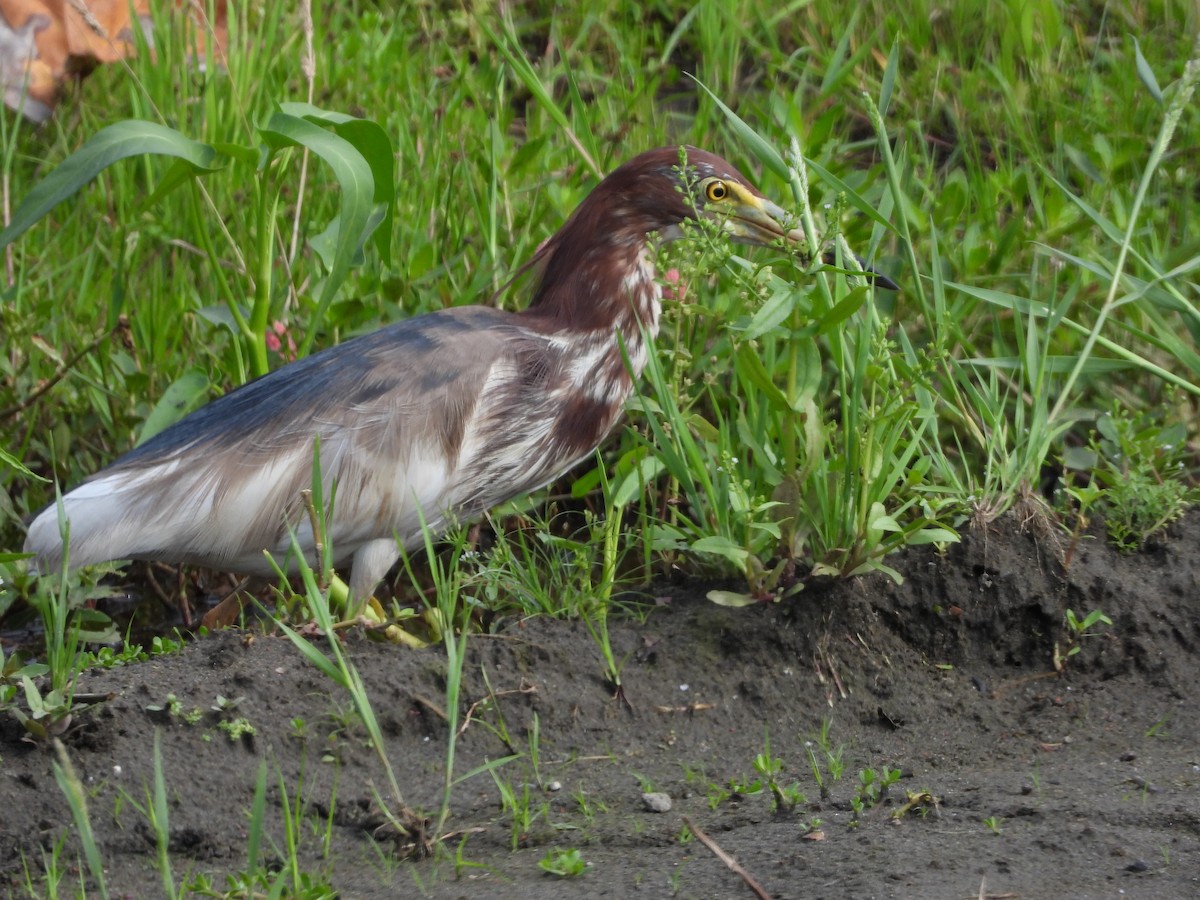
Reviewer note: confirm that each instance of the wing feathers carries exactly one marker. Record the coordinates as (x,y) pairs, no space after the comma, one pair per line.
(224,484)
(432,419)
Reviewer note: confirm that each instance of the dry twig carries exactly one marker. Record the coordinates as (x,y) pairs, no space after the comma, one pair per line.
(733,865)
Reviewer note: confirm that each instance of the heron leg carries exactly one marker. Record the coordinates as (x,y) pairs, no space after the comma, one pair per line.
(371,562)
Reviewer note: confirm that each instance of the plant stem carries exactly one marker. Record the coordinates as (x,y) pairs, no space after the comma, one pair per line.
(261,311)
(1183,96)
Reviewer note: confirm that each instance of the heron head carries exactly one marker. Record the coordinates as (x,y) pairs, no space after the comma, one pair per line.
(658,191)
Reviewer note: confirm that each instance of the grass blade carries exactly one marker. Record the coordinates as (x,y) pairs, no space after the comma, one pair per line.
(72,788)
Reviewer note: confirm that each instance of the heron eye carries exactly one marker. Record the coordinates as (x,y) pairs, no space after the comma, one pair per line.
(716,191)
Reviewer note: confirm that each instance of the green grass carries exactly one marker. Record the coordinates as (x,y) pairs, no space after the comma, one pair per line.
(1012,172)
(1026,172)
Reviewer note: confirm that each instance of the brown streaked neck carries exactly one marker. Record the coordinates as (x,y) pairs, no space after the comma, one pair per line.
(593,288)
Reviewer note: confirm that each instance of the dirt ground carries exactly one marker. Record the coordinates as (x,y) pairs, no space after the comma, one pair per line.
(1090,777)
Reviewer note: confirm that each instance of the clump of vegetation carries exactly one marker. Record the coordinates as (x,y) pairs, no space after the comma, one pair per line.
(1142,468)
(785,796)
(563,863)
(872,789)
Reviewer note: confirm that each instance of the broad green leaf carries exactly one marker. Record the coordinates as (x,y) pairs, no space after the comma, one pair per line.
(33,697)
(752,369)
(220,315)
(316,114)
(878,522)
(875,565)
(647,469)
(888,84)
(812,430)
(369,139)
(1081,459)
(731,599)
(704,429)
(884,523)
(357,183)
(239,152)
(326,246)
(95,627)
(186,393)
(721,546)
(586,483)
(132,137)
(842,310)
(931,536)
(808,371)
(1145,73)
(771,314)
(12,462)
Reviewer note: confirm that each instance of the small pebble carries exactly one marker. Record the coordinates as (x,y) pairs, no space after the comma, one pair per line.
(1128,756)
(657,802)
(554,786)
(1139,865)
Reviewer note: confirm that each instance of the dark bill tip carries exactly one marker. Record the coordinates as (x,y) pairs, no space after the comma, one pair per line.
(879,278)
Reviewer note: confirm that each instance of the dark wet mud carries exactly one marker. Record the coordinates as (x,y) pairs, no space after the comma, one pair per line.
(1016,778)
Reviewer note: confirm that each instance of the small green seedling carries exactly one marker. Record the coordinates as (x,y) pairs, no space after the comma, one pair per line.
(716,795)
(872,790)
(172,706)
(827,765)
(1077,630)
(237,728)
(1081,628)
(49,714)
(563,863)
(783,797)
(1159,728)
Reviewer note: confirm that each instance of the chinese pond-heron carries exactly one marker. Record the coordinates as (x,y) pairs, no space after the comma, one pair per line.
(433,419)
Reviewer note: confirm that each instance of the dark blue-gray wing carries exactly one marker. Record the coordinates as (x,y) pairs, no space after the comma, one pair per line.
(218,488)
